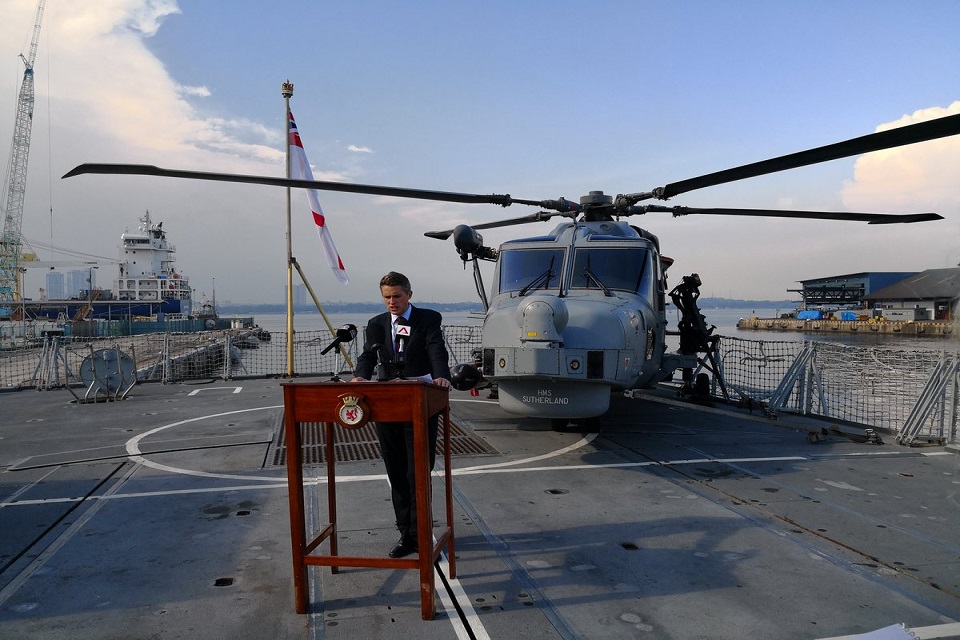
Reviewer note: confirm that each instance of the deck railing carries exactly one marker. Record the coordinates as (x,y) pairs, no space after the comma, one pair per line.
(911,393)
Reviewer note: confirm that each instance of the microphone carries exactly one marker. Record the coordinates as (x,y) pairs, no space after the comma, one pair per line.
(383,369)
(345,333)
(403,331)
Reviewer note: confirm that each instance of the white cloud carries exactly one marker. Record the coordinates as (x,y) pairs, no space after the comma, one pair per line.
(355,149)
(200,92)
(102,96)
(915,178)
(146,17)
(107,88)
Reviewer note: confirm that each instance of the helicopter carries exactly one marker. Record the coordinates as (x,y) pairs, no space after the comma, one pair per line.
(580,313)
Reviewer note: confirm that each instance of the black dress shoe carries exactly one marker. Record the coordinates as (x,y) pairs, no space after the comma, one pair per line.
(404,547)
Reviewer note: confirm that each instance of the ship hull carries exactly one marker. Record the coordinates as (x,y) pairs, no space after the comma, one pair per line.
(104,310)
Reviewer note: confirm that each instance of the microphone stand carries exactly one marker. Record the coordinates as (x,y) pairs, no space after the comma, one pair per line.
(399,360)
(336,367)
(383,368)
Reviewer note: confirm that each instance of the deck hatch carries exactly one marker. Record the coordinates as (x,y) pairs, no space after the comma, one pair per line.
(352,445)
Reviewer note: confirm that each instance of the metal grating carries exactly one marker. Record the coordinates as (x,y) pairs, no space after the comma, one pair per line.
(353,445)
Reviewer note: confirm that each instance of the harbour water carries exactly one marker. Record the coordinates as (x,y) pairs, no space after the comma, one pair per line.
(314,321)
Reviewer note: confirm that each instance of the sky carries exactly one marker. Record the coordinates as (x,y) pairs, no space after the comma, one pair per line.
(538,99)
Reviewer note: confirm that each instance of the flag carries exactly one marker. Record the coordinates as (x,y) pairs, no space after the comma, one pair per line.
(300,169)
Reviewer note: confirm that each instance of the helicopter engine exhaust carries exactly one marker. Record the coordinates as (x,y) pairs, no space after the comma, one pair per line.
(466,240)
(469,244)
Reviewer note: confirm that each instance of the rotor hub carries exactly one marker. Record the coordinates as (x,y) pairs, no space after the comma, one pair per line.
(595,198)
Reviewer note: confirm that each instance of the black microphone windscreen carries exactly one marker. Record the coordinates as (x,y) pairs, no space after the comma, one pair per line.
(346,333)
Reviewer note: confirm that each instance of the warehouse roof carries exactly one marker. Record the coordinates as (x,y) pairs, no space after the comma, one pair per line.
(932,284)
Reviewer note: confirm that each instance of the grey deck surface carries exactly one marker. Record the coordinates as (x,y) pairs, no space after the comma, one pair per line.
(156,517)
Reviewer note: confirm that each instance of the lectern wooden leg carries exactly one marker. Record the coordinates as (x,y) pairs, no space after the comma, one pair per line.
(332,493)
(298,535)
(448,490)
(421,457)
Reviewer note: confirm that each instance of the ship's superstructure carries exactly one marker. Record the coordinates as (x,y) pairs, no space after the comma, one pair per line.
(147,272)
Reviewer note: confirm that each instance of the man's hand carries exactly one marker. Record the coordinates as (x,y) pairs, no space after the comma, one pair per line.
(442,382)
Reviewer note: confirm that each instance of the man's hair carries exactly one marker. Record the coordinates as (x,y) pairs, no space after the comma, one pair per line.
(394,279)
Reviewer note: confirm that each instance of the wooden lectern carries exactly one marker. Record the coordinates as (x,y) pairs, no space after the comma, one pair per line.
(352,405)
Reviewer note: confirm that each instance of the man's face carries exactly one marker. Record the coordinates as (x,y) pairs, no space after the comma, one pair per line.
(396,299)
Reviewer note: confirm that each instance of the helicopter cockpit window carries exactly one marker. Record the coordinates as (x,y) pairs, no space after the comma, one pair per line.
(623,269)
(525,270)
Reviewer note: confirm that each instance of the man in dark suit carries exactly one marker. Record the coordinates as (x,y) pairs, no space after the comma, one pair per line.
(423,354)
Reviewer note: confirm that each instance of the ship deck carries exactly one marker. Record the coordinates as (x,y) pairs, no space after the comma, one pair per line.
(162,516)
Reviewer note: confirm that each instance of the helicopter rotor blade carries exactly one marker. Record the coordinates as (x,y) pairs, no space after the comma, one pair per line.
(869,218)
(539,216)
(322,185)
(910,134)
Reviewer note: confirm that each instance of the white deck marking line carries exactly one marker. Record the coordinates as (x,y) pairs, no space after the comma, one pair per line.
(196,391)
(366,478)
(470,471)
(133,449)
(146,494)
(460,594)
(946,630)
(552,454)
(136,455)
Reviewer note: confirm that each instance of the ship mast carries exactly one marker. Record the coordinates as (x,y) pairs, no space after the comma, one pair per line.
(287,93)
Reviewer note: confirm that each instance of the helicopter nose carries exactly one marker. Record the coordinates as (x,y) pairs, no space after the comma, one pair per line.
(542,319)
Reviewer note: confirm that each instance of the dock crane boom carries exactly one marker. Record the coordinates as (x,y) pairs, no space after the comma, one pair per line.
(15,182)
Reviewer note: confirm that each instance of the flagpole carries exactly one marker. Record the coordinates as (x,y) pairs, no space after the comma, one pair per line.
(287,92)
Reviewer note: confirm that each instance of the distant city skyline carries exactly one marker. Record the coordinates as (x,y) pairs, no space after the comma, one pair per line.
(68,284)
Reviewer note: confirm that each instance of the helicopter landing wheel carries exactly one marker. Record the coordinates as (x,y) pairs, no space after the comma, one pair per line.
(701,387)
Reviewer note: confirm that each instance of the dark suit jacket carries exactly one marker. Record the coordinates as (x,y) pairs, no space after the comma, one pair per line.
(424,352)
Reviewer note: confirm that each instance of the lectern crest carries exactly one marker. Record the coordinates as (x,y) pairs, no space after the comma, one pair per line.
(352,412)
